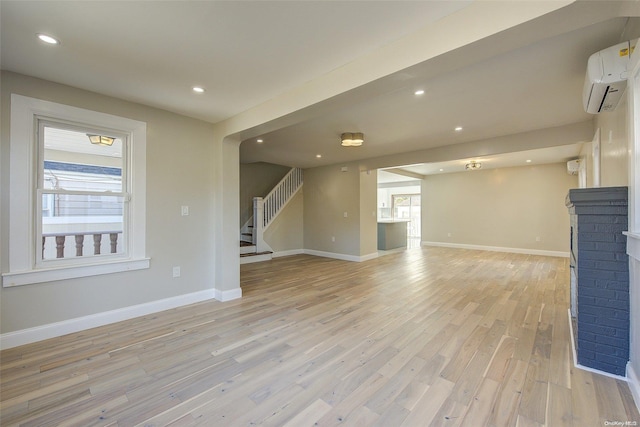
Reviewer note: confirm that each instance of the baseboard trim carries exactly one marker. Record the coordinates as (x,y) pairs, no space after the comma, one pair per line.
(52,330)
(291,252)
(227,295)
(498,249)
(634,384)
(575,356)
(343,257)
(255,258)
(369,257)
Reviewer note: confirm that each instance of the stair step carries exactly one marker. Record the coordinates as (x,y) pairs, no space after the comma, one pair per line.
(256,253)
(255,257)
(249,249)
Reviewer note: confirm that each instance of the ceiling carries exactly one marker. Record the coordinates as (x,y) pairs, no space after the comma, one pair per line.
(242,52)
(539,156)
(245,53)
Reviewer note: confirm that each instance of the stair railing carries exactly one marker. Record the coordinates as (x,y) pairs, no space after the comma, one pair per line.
(266,209)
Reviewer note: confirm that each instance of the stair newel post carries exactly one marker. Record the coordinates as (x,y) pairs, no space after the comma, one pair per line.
(258,223)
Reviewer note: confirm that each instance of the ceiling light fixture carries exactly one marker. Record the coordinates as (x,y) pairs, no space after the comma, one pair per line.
(419,92)
(318,156)
(198,89)
(101,139)
(458,128)
(473,165)
(48,39)
(528,160)
(259,141)
(352,139)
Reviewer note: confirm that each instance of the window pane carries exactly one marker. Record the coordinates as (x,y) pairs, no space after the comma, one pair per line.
(72,162)
(84,224)
(81,217)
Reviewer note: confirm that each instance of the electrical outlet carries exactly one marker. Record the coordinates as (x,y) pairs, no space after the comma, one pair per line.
(176,271)
(333,238)
(345,214)
(448,234)
(538,239)
(185,210)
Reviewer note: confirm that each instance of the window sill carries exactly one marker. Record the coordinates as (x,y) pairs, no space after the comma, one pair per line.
(71,272)
(633,244)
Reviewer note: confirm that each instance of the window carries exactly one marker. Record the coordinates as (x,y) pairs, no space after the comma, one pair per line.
(80,177)
(82,191)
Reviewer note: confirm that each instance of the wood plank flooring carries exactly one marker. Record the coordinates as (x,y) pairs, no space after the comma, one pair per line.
(428,336)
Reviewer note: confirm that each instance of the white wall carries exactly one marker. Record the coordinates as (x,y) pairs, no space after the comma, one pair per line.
(180,163)
(329,194)
(614,146)
(286,232)
(500,208)
(257,180)
(368,216)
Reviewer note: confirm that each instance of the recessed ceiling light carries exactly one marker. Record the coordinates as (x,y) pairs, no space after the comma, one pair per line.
(198,89)
(458,128)
(528,160)
(441,170)
(419,92)
(318,156)
(259,141)
(48,39)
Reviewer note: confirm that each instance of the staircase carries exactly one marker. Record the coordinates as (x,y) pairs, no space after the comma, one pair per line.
(253,248)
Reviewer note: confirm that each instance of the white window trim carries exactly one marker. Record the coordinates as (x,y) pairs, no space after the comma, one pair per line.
(22,180)
(634,136)
(633,235)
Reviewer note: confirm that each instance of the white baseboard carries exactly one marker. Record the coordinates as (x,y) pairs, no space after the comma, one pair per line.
(634,384)
(255,258)
(291,252)
(369,257)
(343,257)
(51,330)
(498,249)
(227,295)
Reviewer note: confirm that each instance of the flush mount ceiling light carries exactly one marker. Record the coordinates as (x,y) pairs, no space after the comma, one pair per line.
(197,89)
(48,39)
(419,92)
(473,165)
(101,139)
(352,139)
(458,128)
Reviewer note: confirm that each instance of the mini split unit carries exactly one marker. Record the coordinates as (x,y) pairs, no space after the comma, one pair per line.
(606,77)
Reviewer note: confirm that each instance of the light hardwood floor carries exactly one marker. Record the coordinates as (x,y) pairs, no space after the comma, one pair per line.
(428,336)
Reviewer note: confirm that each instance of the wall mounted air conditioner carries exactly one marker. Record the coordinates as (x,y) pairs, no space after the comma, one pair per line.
(573,167)
(606,78)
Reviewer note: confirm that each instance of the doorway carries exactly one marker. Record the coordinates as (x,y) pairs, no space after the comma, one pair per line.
(406,207)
